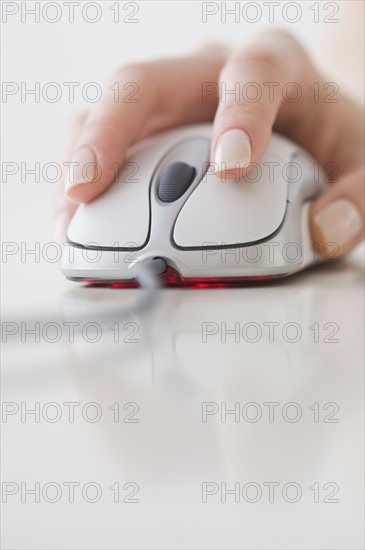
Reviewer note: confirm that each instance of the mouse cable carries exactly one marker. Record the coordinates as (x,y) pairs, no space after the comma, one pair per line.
(148,273)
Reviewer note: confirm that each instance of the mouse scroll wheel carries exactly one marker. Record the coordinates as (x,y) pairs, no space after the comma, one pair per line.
(174,181)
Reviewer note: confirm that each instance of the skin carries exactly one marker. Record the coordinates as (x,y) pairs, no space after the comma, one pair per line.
(170,94)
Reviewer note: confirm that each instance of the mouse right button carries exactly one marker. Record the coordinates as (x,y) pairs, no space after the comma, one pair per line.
(234,212)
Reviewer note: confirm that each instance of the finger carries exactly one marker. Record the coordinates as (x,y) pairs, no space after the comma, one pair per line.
(337,216)
(157,95)
(250,98)
(64,208)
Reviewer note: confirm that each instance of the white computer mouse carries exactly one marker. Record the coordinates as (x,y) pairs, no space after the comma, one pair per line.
(167,203)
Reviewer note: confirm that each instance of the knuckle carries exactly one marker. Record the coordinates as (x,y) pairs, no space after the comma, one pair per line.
(258,55)
(138,72)
(140,77)
(245,115)
(103,126)
(276,51)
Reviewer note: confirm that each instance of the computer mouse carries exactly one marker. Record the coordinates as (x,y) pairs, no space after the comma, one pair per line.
(167,202)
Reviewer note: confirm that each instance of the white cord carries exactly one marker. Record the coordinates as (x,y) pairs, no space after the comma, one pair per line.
(147,273)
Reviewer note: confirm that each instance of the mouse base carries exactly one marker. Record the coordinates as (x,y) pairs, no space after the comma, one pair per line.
(171,278)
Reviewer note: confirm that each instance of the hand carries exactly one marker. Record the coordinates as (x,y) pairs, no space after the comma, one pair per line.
(171,93)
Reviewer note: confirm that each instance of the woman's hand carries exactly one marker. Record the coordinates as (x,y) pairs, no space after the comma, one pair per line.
(196,89)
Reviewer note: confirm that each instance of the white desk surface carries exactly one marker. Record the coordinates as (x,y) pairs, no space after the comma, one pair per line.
(169,373)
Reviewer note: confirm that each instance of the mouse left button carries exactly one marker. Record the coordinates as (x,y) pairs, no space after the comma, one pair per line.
(120,217)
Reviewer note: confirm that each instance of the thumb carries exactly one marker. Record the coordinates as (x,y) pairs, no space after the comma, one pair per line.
(337,216)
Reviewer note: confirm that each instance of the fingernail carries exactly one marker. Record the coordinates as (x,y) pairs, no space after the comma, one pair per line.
(60,227)
(233,151)
(82,168)
(340,222)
